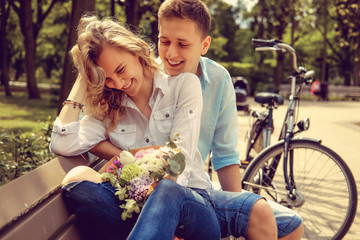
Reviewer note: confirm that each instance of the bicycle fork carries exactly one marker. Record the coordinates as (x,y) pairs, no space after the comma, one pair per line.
(294,197)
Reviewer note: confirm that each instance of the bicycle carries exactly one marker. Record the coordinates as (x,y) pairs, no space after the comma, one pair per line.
(261,124)
(314,180)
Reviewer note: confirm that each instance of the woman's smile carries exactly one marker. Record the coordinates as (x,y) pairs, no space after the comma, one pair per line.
(128,85)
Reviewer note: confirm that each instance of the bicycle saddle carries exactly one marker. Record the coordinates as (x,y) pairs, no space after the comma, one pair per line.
(269,98)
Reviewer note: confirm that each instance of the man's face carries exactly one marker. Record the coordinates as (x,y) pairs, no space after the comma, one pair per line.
(180,45)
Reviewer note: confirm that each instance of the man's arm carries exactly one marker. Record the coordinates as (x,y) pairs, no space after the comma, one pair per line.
(225,155)
(230,178)
(105,150)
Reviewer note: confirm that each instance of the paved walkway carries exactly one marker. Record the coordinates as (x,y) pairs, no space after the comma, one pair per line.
(336,123)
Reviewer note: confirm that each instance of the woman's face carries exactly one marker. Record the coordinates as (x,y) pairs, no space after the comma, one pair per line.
(123,70)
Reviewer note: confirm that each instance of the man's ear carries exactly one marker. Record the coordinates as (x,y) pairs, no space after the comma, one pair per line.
(205,45)
(110,83)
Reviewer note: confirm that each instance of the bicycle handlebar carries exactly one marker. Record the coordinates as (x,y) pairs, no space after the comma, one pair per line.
(275,46)
(264,43)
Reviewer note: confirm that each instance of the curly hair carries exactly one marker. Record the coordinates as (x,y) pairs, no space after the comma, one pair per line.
(93,34)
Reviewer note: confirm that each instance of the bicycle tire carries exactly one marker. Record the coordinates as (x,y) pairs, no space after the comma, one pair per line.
(321,175)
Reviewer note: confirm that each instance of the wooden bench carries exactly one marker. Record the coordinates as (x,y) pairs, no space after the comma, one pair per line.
(31,206)
(285,89)
(347,92)
(339,92)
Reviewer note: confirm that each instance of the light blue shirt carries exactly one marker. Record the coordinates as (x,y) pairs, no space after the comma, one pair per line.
(219,124)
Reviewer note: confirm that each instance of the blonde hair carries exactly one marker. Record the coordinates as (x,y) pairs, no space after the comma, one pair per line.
(93,34)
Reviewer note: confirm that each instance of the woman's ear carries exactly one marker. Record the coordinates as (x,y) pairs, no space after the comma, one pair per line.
(109,83)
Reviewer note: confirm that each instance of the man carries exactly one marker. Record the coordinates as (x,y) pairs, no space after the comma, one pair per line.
(183,37)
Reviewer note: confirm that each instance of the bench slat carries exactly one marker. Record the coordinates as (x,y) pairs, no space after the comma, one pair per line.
(26,191)
(49,218)
(70,233)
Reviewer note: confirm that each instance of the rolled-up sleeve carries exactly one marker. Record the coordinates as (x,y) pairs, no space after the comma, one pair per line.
(225,140)
(77,137)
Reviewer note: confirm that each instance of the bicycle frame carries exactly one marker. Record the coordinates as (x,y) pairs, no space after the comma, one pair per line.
(287,131)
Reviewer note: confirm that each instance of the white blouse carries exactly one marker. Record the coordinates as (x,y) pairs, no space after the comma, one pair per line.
(176,104)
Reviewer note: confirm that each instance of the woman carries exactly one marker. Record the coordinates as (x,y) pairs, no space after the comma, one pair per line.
(131,103)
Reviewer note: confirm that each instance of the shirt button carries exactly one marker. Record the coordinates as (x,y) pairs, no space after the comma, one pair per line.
(147,140)
(191,111)
(167,115)
(122,130)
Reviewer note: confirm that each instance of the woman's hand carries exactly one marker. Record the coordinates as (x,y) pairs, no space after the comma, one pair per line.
(168,176)
(177,238)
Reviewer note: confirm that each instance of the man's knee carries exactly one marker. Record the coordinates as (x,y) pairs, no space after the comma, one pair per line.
(296,234)
(262,221)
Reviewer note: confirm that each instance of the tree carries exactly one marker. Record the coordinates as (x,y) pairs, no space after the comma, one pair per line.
(141,16)
(5,9)
(272,23)
(79,7)
(30,31)
(348,35)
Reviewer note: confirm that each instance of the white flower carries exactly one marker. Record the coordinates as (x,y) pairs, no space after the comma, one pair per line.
(126,157)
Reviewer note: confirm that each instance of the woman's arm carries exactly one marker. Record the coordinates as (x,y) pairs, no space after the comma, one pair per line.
(186,123)
(105,150)
(69,113)
(68,138)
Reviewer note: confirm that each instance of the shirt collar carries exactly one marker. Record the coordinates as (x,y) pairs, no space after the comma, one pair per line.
(204,78)
(160,84)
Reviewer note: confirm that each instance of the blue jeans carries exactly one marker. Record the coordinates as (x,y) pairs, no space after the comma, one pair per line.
(170,210)
(233,212)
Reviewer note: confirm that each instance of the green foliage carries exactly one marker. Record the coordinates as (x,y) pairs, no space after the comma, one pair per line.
(239,69)
(129,207)
(19,114)
(20,153)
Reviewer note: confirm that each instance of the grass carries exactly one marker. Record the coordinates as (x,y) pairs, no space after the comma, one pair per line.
(20,114)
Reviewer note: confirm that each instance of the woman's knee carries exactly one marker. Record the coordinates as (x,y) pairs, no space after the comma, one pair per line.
(262,221)
(81,173)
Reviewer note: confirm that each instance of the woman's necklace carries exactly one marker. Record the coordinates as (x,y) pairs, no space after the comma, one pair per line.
(146,111)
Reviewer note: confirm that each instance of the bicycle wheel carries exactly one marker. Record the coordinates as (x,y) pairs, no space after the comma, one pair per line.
(321,176)
(254,140)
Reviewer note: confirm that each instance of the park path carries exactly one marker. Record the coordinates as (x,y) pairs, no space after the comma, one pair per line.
(336,123)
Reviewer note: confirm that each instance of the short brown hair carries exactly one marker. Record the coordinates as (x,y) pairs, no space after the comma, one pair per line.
(194,10)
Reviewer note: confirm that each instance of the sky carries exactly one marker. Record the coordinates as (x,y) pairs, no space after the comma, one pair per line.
(249,3)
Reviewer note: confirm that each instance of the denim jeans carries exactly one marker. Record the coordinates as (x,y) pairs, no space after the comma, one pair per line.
(170,210)
(233,212)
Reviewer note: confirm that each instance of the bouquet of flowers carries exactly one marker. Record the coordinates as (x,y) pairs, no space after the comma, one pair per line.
(136,176)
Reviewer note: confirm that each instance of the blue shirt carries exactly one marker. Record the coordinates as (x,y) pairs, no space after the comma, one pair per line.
(219,124)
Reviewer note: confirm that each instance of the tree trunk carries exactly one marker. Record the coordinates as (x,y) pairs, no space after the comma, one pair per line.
(112,8)
(279,69)
(356,69)
(68,78)
(132,13)
(324,54)
(4,48)
(29,43)
(347,69)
